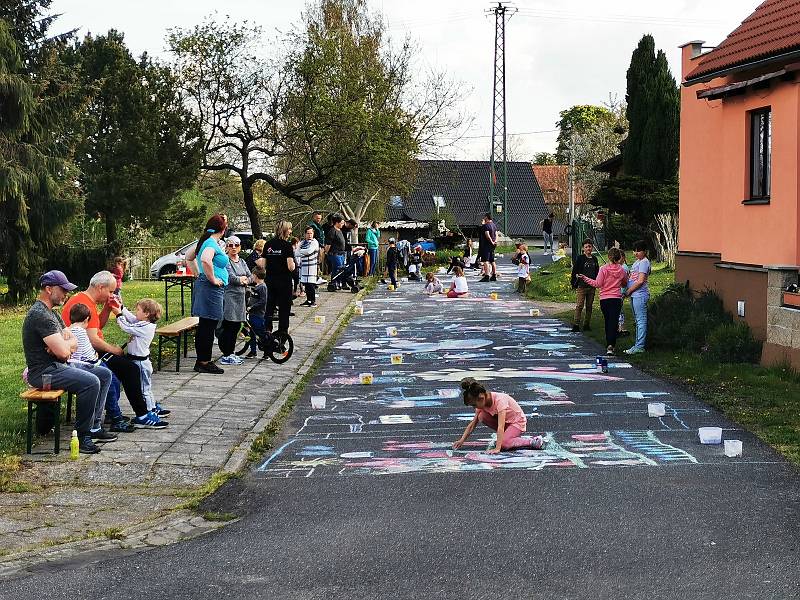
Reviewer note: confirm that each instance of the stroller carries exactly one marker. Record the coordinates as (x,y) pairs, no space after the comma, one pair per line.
(346,278)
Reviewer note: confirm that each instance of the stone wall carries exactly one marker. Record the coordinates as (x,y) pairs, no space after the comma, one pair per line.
(783,323)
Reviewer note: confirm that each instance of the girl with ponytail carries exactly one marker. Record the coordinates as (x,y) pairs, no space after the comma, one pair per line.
(499,412)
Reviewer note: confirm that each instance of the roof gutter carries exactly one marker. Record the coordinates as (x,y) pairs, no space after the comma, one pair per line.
(706,77)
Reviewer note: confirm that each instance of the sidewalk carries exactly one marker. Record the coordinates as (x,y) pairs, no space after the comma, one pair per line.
(144,475)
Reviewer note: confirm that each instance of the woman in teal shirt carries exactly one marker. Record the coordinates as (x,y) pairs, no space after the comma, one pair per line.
(208,293)
(373,237)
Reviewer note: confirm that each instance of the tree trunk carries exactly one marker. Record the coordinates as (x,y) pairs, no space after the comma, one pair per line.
(111,230)
(250,207)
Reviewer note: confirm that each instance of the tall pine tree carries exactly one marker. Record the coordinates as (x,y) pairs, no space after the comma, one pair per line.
(652,96)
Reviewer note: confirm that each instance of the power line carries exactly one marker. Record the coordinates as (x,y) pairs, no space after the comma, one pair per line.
(616,18)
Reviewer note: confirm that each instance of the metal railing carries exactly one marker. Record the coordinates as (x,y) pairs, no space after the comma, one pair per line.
(141,257)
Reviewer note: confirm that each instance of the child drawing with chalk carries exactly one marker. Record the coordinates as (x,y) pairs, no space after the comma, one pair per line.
(499,412)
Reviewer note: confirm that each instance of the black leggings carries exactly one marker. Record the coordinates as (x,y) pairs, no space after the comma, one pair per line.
(611,308)
(279,295)
(227,338)
(311,292)
(130,377)
(204,339)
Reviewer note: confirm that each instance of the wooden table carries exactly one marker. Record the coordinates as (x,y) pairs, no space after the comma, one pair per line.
(170,281)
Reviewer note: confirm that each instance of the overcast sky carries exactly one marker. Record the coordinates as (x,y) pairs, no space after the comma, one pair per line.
(557,54)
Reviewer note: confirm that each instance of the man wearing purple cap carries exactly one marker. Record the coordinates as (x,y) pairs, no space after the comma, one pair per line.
(48,344)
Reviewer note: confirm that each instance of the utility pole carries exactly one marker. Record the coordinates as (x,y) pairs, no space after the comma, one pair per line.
(571,210)
(498,171)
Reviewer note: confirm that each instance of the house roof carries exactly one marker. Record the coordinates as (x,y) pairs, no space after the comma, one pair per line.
(554,183)
(772,30)
(464,186)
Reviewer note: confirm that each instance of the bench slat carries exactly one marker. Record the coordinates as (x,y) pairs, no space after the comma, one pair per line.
(179,327)
(41,395)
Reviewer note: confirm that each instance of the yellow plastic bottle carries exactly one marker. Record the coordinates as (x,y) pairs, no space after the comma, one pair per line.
(73,446)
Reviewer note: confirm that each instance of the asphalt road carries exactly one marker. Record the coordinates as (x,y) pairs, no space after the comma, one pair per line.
(365,498)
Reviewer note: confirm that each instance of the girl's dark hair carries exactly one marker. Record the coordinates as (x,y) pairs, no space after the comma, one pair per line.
(215,225)
(471,389)
(640,246)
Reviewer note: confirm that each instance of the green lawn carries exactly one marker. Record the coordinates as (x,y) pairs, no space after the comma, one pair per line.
(12,361)
(762,400)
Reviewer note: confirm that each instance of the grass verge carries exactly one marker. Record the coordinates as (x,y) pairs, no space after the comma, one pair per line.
(762,400)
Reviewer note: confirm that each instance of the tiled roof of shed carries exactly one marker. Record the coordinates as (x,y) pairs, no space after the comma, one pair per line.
(464,185)
(772,29)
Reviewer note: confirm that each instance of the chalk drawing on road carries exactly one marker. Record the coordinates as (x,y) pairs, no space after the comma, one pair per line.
(483,374)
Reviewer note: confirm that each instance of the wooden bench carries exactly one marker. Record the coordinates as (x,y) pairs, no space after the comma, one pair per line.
(175,332)
(36,397)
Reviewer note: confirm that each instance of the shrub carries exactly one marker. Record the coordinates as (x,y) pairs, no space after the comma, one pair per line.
(733,343)
(79,264)
(680,320)
(625,230)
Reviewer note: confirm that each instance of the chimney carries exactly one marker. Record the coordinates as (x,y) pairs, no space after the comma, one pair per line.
(689,52)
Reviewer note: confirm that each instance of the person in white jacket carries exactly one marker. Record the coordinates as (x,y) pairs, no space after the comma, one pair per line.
(141,326)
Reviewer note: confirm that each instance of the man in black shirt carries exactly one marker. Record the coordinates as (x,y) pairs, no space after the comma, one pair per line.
(335,249)
(586,264)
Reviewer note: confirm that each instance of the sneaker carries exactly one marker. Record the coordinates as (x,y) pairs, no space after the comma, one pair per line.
(382,281)
(320,281)
(161,411)
(208,367)
(231,359)
(149,420)
(493,278)
(537,442)
(109,419)
(483,279)
(610,351)
(576,329)
(251,354)
(306,303)
(121,426)
(102,436)
(634,350)
(313,305)
(87,446)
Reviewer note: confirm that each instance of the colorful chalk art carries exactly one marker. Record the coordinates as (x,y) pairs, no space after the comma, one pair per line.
(406,420)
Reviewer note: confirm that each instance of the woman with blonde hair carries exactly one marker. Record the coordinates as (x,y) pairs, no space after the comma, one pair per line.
(279,259)
(258,252)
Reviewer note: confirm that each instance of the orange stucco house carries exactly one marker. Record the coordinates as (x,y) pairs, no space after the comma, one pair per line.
(739,181)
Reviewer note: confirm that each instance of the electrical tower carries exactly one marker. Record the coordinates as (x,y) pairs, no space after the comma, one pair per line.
(498,172)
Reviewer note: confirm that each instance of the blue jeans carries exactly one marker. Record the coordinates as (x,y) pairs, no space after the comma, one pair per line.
(259,331)
(639,304)
(373,260)
(104,374)
(85,386)
(548,241)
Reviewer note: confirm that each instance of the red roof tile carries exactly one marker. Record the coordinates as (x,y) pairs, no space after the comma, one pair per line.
(773,29)
(554,182)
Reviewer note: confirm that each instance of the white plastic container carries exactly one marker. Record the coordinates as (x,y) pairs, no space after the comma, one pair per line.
(359,310)
(535,312)
(359,304)
(318,402)
(391,331)
(397,359)
(319,319)
(365,378)
(733,448)
(710,435)
(656,409)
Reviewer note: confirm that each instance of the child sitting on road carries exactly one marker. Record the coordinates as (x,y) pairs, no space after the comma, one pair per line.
(141,325)
(256,308)
(499,412)
(432,284)
(458,287)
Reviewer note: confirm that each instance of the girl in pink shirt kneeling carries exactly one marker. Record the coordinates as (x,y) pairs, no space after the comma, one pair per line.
(611,278)
(499,412)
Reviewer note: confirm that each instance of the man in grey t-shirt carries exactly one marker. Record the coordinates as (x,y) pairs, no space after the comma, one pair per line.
(47,345)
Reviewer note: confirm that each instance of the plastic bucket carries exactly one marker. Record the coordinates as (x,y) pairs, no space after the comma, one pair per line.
(656,409)
(365,378)
(733,448)
(391,331)
(319,319)
(493,295)
(397,359)
(710,435)
(535,312)
(318,402)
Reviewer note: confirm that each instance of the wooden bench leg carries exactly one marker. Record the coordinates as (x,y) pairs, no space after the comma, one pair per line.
(58,426)
(178,354)
(185,343)
(29,436)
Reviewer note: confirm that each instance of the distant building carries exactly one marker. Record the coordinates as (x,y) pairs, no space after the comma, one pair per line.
(739,181)
(462,188)
(554,183)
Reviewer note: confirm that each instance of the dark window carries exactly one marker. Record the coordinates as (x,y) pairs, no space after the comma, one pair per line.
(760,153)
